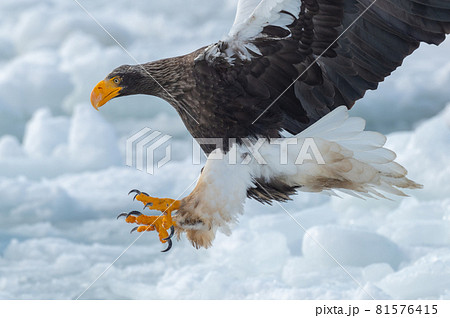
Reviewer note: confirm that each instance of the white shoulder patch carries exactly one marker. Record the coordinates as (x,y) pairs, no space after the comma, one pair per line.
(234,50)
(214,52)
(252,17)
(245,9)
(248,23)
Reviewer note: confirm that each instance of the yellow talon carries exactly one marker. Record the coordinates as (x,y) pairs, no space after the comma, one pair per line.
(160,223)
(163,205)
(143,228)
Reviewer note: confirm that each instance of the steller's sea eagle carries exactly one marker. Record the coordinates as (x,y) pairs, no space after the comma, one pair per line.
(286,67)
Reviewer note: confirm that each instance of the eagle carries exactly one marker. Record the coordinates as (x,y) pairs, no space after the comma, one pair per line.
(269,106)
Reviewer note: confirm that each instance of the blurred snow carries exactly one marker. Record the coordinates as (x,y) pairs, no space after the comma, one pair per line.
(63,178)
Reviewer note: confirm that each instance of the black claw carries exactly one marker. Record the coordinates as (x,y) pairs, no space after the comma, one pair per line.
(134,191)
(134,229)
(169,241)
(145,193)
(148,204)
(122,214)
(172,231)
(136,213)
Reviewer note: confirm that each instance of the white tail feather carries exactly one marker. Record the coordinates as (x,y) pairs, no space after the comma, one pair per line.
(355,161)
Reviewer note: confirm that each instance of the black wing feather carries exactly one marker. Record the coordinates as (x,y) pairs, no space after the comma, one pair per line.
(371,49)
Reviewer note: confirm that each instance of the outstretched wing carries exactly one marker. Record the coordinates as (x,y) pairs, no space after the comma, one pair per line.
(334,50)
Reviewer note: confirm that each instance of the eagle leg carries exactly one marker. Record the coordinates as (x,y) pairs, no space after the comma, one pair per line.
(161,223)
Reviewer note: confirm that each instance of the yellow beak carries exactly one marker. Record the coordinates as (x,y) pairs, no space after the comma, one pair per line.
(103,92)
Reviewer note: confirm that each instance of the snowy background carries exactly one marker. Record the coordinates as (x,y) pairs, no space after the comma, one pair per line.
(63,177)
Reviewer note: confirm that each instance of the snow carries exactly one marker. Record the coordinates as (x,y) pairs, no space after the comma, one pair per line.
(367,248)
(63,178)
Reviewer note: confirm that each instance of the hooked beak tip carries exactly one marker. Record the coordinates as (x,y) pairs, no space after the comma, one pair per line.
(103,92)
(96,95)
